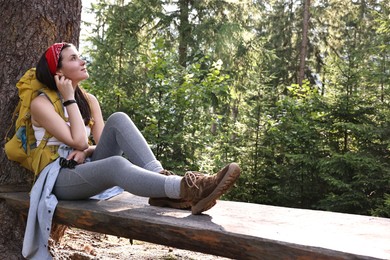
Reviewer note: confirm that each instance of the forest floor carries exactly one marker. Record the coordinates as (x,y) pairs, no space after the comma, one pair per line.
(84,245)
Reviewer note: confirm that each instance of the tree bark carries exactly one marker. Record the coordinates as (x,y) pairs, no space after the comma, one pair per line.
(28,27)
(306,17)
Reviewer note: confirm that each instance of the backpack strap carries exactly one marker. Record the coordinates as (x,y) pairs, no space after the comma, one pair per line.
(42,145)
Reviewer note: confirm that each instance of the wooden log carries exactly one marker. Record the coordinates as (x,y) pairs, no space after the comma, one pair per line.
(230,229)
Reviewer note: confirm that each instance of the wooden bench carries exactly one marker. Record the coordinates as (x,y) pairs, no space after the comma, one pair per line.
(230,229)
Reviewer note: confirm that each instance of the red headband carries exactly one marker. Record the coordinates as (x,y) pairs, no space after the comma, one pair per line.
(52,55)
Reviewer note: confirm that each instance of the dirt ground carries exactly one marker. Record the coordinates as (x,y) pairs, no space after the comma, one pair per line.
(84,245)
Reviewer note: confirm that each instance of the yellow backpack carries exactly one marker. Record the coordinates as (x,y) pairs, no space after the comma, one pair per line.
(22,146)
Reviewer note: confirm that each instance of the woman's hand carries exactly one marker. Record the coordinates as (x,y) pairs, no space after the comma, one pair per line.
(65,87)
(78,156)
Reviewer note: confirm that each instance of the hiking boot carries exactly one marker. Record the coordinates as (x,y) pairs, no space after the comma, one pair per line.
(168,202)
(204,190)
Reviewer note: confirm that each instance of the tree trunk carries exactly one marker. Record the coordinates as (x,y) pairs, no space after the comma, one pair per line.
(184,32)
(28,27)
(306,17)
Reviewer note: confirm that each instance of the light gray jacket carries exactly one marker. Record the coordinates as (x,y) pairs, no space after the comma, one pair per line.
(40,214)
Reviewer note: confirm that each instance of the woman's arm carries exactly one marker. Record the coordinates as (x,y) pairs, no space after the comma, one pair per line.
(97,129)
(44,115)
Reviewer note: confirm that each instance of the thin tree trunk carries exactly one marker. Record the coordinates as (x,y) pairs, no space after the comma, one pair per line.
(303,54)
(121,52)
(184,32)
(28,27)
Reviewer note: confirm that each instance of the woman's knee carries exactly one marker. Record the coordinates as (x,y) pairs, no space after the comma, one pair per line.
(121,122)
(118,117)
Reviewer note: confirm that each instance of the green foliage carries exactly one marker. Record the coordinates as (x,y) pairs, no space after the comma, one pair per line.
(323,144)
(356,183)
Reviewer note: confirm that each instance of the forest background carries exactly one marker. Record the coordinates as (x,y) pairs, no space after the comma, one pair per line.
(296,92)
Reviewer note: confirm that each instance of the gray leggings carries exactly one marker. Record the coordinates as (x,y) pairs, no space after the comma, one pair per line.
(138,174)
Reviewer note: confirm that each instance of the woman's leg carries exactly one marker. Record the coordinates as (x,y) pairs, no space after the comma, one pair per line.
(88,179)
(91,178)
(120,135)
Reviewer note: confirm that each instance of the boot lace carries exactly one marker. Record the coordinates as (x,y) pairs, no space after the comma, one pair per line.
(191,178)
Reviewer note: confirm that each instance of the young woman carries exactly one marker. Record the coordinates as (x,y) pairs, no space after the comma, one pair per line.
(102,166)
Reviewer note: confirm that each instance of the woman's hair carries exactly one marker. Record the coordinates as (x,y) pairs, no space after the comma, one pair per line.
(44,76)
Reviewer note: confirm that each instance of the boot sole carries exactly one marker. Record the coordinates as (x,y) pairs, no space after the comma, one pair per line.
(226,183)
(171,203)
(166,202)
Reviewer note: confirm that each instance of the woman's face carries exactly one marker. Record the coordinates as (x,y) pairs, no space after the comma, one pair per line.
(72,66)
